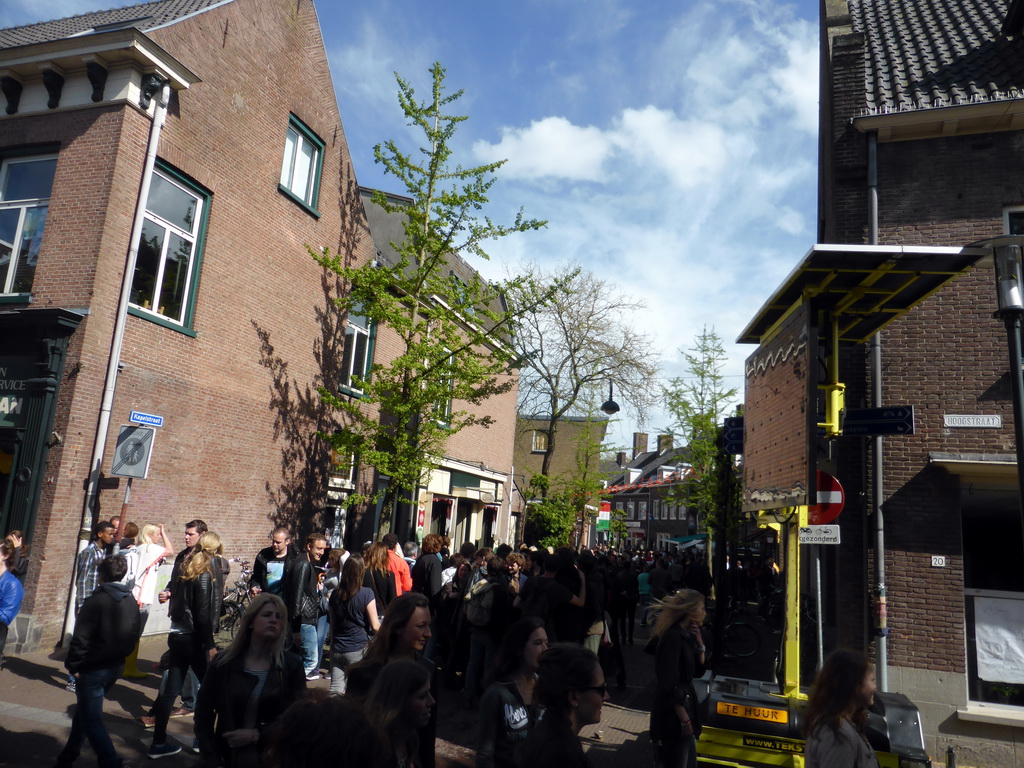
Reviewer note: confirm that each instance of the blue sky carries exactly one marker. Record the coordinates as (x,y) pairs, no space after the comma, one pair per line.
(670,144)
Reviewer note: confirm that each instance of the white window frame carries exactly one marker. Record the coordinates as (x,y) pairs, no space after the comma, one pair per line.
(349,370)
(1008,212)
(539,441)
(195,237)
(9,270)
(630,510)
(297,138)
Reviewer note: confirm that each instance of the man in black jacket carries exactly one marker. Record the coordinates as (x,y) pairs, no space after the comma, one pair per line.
(268,569)
(302,588)
(106,631)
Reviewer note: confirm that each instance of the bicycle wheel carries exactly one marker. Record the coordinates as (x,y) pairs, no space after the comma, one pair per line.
(230,620)
(740,640)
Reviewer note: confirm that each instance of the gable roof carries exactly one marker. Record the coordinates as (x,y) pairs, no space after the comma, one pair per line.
(926,54)
(144,17)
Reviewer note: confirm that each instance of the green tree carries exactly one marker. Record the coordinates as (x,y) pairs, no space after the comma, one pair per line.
(453,333)
(698,403)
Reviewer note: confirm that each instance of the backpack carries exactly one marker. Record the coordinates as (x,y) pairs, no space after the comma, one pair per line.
(480,603)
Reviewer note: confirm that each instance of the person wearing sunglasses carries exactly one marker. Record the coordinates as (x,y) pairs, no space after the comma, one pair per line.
(571,691)
(678,647)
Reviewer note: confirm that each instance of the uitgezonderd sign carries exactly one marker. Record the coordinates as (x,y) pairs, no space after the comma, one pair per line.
(976,421)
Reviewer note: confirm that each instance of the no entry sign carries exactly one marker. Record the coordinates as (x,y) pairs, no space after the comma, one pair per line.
(830,500)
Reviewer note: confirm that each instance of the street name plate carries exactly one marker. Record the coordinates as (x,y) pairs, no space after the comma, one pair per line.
(977,421)
(819,534)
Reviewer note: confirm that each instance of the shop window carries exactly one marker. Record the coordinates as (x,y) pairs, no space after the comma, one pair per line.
(25,187)
(301,165)
(993,597)
(167,268)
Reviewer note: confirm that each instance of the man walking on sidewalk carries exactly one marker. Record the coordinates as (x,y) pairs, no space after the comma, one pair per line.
(106,631)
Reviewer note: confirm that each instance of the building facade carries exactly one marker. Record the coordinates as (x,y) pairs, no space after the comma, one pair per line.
(922,112)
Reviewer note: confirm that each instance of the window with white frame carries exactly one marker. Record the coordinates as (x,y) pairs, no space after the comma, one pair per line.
(641,510)
(302,163)
(25,186)
(167,265)
(1013,220)
(443,408)
(358,355)
(629,510)
(540,441)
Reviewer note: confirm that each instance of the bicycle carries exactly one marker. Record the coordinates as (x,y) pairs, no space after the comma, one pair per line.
(236,600)
(740,640)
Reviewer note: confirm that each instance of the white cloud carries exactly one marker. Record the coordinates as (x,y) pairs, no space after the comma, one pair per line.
(549,147)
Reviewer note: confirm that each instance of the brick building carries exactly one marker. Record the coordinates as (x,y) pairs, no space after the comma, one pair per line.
(229,326)
(922,101)
(577,444)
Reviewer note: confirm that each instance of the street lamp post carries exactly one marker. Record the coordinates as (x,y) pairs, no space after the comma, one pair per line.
(1010,302)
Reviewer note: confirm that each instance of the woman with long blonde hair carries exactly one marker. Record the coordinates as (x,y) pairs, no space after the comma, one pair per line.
(195,602)
(678,646)
(248,686)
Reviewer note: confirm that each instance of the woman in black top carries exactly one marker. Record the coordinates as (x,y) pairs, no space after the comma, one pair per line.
(379,577)
(678,646)
(247,687)
(507,710)
(571,690)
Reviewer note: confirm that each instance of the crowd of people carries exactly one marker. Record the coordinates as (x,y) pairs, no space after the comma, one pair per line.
(529,638)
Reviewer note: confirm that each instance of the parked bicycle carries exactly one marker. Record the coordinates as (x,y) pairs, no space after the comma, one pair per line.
(236,600)
(740,639)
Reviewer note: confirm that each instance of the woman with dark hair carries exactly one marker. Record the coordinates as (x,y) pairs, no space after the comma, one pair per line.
(19,564)
(678,647)
(247,687)
(571,690)
(195,601)
(379,577)
(403,636)
(401,705)
(836,713)
(507,711)
(353,611)
(322,730)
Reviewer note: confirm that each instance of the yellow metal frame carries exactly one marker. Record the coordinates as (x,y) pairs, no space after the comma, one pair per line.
(835,390)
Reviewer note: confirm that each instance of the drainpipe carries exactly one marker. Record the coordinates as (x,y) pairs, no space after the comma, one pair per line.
(116,343)
(877,458)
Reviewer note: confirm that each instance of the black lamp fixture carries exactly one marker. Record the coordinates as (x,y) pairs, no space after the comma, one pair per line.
(610,407)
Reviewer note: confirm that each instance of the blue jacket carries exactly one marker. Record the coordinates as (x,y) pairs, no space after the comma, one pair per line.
(11,593)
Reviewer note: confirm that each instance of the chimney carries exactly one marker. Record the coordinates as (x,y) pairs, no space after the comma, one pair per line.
(639,443)
(620,458)
(664,443)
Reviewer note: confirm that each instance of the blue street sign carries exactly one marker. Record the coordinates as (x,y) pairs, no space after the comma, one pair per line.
(894,420)
(149,419)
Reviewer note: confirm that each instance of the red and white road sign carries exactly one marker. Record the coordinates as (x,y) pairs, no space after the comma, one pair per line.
(830,500)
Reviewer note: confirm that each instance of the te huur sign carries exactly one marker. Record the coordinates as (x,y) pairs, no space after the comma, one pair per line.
(15,373)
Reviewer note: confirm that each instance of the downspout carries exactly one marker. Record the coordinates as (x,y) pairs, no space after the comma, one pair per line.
(877,458)
(116,344)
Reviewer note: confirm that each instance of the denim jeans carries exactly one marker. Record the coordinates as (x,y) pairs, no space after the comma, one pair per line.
(481,652)
(322,625)
(87,722)
(340,662)
(309,652)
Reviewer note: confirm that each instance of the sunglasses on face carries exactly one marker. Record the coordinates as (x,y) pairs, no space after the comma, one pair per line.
(601,689)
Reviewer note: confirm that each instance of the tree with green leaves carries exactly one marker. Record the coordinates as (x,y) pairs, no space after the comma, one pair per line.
(697,403)
(452,328)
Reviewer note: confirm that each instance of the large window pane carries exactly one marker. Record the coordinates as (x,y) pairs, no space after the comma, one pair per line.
(174,284)
(147,265)
(31,240)
(25,186)
(29,180)
(301,163)
(172,204)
